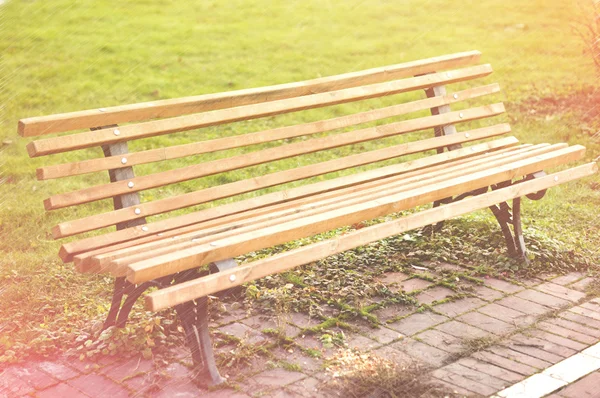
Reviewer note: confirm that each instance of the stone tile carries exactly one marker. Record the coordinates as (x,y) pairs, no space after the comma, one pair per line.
(417,322)
(422,352)
(556,326)
(12,386)
(271,379)
(505,363)
(260,323)
(524,306)
(384,335)
(582,284)
(490,369)
(62,390)
(179,390)
(568,278)
(463,382)
(306,388)
(535,349)
(462,330)
(485,293)
(593,351)
(588,313)
(127,369)
(392,311)
(443,341)
(486,323)
(501,285)
(390,278)
(458,307)
(573,368)
(98,386)
(536,386)
(518,356)
(31,375)
(544,299)
(85,366)
(581,319)
(476,376)
(559,340)
(560,291)
(297,357)
(58,370)
(414,284)
(591,306)
(394,355)
(243,332)
(448,389)
(432,295)
(586,387)
(303,321)
(224,393)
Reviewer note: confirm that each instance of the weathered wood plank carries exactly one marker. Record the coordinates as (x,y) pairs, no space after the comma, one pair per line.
(244,243)
(214,283)
(35,126)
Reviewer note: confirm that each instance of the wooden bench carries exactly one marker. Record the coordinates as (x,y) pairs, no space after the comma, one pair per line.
(388,118)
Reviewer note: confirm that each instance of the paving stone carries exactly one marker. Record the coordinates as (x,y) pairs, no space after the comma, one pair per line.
(303,321)
(533,349)
(129,368)
(560,291)
(232,314)
(224,393)
(443,341)
(476,376)
(543,344)
(451,388)
(593,351)
(593,314)
(417,322)
(437,293)
(11,385)
(422,352)
(537,385)
(31,375)
(414,284)
(85,366)
(559,340)
(358,342)
(530,282)
(243,332)
(587,387)
(297,357)
(179,390)
(552,327)
(501,285)
(518,356)
(62,390)
(525,306)
(582,284)
(98,386)
(272,378)
(568,278)
(577,327)
(308,388)
(58,370)
(394,355)
(505,363)
(544,299)
(463,382)
(584,320)
(462,330)
(486,322)
(591,306)
(392,311)
(458,307)
(390,278)
(260,323)
(486,293)
(573,368)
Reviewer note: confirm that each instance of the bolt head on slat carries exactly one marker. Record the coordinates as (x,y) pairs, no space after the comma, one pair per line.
(124,160)
(461,115)
(455,96)
(448,74)
(555,178)
(130,184)
(232,278)
(467,135)
(102,109)
(117,131)
(145,228)
(137,211)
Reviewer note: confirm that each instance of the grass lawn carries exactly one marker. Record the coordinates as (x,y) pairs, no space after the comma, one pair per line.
(65,56)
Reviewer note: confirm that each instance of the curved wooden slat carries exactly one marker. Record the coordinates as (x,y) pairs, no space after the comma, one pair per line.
(244,243)
(196,148)
(183,123)
(217,282)
(35,126)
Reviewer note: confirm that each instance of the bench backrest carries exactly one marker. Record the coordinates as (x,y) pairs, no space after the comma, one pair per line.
(112,128)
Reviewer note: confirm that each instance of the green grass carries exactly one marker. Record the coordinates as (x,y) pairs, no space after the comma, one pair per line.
(63,56)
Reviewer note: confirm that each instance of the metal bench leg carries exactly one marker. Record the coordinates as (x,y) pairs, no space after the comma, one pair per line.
(115,305)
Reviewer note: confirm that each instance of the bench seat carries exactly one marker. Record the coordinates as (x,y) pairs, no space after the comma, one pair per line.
(339,178)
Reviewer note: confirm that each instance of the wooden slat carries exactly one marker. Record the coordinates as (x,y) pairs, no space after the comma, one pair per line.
(174,107)
(214,283)
(218,192)
(196,148)
(244,243)
(71,249)
(268,155)
(183,123)
(94,261)
(320,204)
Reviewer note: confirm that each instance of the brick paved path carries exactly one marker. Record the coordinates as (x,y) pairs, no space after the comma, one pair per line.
(518,330)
